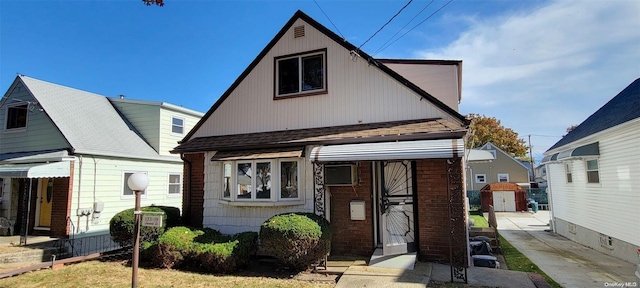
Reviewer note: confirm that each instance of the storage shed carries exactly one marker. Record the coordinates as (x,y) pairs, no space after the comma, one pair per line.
(504,196)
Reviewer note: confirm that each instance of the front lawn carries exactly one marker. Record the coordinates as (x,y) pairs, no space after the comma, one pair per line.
(98,273)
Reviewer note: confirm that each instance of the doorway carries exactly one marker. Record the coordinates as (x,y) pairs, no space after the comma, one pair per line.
(396,207)
(45,197)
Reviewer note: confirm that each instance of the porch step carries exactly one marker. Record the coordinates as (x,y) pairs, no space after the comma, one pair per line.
(402,261)
(38,254)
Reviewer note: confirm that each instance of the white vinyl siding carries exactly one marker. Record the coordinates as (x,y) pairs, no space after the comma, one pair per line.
(41,133)
(377,96)
(168,139)
(108,184)
(435,79)
(230,219)
(609,207)
(146,119)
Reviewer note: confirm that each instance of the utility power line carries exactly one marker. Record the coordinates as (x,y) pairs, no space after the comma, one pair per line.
(414,27)
(385,24)
(325,15)
(400,30)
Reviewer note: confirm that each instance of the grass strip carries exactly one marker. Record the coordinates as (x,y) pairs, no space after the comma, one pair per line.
(518,262)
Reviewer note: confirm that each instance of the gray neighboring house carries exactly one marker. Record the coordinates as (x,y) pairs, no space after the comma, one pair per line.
(503,168)
(66,155)
(593,176)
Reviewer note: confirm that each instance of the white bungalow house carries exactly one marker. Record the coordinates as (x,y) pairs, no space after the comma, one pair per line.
(593,175)
(315,125)
(66,155)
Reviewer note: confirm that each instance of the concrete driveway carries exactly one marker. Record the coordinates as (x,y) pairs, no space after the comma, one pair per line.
(566,262)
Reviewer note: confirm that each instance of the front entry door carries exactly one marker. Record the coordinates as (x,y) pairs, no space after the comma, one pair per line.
(397,208)
(44,200)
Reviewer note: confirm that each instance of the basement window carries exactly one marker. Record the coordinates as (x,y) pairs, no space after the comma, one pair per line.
(301,74)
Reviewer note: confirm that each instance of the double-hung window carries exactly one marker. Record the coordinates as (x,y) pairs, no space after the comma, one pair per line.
(261,180)
(592,171)
(126,191)
(503,177)
(16,117)
(177,125)
(175,184)
(568,172)
(301,74)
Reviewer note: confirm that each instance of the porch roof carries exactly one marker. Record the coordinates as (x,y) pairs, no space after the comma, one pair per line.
(36,170)
(404,150)
(406,130)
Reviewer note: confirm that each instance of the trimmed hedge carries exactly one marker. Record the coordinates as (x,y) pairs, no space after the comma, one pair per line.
(121,226)
(202,250)
(298,240)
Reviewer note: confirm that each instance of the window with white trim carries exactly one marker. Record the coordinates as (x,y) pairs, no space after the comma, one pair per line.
(126,191)
(481,178)
(301,74)
(593,175)
(261,180)
(177,125)
(16,118)
(503,177)
(568,172)
(175,184)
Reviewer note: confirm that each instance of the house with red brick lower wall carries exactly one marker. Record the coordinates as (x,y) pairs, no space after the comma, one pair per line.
(313,124)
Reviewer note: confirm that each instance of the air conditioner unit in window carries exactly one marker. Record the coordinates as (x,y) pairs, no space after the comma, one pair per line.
(340,174)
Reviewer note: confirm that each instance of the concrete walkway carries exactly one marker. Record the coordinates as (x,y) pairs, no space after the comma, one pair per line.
(358,274)
(568,263)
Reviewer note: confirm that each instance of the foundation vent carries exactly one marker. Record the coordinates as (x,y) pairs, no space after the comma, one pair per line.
(298,31)
(606,241)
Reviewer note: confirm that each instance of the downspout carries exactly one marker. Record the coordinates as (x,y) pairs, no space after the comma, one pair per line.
(552,220)
(95,175)
(186,198)
(79,192)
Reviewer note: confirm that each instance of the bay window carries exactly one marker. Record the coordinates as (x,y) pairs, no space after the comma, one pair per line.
(261,180)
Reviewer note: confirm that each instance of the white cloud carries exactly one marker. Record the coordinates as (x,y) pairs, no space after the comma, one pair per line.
(543,70)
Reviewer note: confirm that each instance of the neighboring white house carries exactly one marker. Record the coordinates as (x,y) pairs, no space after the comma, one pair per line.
(593,177)
(68,154)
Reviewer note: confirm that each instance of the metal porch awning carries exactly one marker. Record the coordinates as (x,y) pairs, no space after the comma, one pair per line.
(405,150)
(36,170)
(588,150)
(288,152)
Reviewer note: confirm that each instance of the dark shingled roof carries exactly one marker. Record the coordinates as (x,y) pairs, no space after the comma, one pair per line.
(622,108)
(422,129)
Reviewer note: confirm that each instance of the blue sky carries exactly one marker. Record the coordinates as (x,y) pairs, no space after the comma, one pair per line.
(538,66)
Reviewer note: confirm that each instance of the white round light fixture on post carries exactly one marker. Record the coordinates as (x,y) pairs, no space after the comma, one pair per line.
(138,181)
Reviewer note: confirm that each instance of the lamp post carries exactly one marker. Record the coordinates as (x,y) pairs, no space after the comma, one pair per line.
(137,183)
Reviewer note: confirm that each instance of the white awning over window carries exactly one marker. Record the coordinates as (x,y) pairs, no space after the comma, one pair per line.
(405,150)
(36,170)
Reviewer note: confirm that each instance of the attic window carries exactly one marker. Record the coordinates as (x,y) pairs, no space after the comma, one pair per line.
(298,31)
(301,74)
(16,117)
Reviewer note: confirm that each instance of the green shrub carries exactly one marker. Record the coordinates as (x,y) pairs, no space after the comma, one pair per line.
(172,215)
(121,227)
(202,250)
(296,239)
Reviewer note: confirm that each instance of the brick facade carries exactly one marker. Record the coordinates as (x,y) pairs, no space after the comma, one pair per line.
(433,210)
(193,190)
(61,205)
(352,237)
